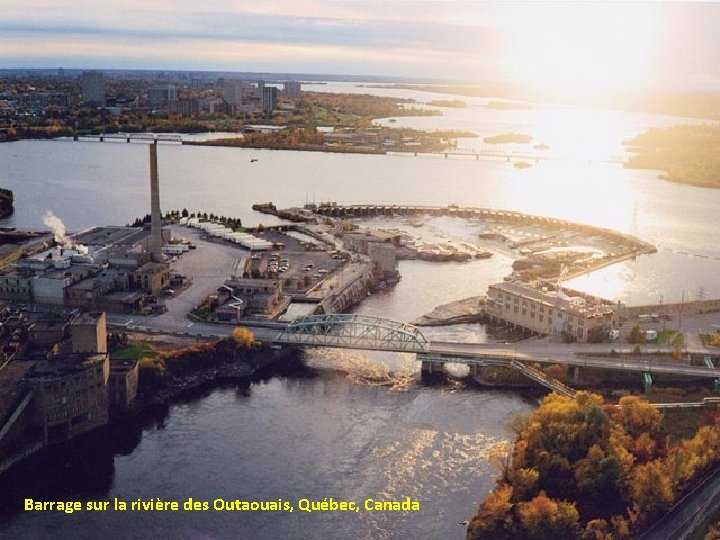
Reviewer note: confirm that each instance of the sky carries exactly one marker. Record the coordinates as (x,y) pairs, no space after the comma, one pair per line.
(584,45)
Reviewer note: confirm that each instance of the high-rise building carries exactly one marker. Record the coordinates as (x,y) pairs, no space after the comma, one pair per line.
(161,96)
(93,90)
(269,99)
(235,91)
(292,89)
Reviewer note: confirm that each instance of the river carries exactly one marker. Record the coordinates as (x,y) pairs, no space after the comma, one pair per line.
(350,425)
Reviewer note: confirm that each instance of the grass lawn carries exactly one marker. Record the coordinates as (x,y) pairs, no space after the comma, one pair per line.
(669,337)
(134,352)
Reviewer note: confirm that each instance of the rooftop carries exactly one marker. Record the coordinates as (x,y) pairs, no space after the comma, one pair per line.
(106,236)
(88,318)
(66,364)
(575,305)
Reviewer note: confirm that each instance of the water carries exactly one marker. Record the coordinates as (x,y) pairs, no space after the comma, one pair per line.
(353,424)
(323,435)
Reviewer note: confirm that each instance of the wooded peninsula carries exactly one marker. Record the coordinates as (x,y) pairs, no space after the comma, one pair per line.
(581,469)
(688,154)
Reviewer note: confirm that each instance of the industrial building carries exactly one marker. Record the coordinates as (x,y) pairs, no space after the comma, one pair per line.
(70,390)
(118,269)
(257,296)
(62,382)
(118,278)
(542,308)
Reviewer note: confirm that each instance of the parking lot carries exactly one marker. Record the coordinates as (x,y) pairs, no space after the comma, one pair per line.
(298,267)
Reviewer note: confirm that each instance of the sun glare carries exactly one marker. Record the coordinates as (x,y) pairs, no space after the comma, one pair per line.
(573,48)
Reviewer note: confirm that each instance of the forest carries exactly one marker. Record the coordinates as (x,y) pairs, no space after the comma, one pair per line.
(688,154)
(581,469)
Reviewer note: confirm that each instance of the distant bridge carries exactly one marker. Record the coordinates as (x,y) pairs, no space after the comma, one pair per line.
(507,156)
(131,137)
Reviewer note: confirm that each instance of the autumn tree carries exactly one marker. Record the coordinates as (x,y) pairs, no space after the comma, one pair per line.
(494,518)
(545,519)
(636,335)
(651,487)
(243,337)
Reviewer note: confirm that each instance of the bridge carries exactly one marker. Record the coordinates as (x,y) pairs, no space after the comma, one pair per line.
(478,154)
(350,331)
(130,137)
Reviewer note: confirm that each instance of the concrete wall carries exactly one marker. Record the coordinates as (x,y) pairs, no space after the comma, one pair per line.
(693,307)
(50,291)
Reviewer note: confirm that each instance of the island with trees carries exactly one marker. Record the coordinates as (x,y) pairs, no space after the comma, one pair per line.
(582,469)
(6,202)
(508,138)
(688,154)
(375,140)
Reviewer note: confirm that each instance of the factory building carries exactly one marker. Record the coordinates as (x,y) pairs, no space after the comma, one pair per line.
(259,297)
(544,309)
(70,391)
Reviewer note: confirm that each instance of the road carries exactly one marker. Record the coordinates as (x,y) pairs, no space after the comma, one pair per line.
(547,351)
(690,512)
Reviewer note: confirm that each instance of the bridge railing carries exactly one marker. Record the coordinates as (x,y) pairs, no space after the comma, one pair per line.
(353,332)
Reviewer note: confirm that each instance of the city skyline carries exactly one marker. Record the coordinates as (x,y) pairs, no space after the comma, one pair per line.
(579,47)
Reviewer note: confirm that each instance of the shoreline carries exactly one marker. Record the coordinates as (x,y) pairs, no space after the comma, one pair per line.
(194,372)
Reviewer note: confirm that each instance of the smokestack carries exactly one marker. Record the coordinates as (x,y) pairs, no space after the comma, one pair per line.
(155,223)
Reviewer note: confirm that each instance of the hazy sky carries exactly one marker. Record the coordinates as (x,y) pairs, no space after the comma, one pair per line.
(589,45)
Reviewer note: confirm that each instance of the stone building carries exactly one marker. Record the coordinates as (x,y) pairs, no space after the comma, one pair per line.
(71,390)
(541,309)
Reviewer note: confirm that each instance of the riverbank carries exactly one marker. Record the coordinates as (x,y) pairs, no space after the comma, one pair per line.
(170,368)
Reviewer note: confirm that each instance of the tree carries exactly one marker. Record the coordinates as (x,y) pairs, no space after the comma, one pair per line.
(500,455)
(598,481)
(597,334)
(636,335)
(638,416)
(243,337)
(543,518)
(651,487)
(493,518)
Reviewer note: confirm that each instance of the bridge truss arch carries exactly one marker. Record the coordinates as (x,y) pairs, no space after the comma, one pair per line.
(351,331)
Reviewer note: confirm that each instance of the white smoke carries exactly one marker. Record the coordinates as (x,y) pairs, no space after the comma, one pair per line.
(57,227)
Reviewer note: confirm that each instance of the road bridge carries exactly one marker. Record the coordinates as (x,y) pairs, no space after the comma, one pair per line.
(350,331)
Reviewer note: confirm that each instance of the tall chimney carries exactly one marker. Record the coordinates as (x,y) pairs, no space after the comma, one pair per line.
(155,223)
